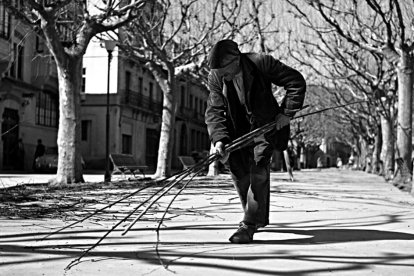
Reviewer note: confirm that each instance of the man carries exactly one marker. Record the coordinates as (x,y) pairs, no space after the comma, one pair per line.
(40,151)
(241,100)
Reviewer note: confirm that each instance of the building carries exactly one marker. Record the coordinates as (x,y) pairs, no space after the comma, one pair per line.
(29,106)
(28,95)
(135,111)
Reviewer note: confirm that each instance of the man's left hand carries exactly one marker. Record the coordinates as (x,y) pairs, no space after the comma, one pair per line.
(281,121)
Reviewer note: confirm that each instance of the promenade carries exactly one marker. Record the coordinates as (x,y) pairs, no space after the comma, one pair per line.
(329,222)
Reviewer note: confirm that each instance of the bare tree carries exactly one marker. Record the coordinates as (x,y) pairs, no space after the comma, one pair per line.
(173,37)
(68,26)
(379,27)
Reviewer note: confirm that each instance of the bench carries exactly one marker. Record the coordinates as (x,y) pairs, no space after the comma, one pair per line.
(126,163)
(187,161)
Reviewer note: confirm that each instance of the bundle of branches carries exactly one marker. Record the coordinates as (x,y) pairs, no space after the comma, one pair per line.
(174,181)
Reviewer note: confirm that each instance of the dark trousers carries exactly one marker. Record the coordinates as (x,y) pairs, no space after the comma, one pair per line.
(252,182)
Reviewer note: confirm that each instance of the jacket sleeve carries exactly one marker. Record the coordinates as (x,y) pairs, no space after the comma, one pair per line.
(215,116)
(288,78)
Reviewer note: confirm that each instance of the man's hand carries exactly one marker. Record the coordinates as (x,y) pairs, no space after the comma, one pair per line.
(219,148)
(281,121)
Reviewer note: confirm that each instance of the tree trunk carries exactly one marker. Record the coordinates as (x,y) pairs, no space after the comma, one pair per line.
(362,153)
(68,140)
(167,128)
(377,151)
(213,169)
(387,150)
(288,165)
(404,127)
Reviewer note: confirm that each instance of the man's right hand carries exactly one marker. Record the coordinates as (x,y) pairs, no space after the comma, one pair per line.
(220,150)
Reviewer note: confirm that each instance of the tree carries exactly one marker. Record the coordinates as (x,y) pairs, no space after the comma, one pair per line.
(68,26)
(173,38)
(379,27)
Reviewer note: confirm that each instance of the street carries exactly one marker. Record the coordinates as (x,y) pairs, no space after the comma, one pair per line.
(328,222)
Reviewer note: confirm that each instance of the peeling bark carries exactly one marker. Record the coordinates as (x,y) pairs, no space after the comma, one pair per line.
(387,150)
(167,127)
(404,126)
(68,141)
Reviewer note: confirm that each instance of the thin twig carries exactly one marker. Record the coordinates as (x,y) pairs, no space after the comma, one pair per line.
(94,213)
(77,260)
(143,212)
(199,166)
(165,213)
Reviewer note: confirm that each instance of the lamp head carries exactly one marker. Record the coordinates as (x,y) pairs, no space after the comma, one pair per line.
(110,45)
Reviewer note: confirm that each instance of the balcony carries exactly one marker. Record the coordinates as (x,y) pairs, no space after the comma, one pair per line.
(44,73)
(134,99)
(190,114)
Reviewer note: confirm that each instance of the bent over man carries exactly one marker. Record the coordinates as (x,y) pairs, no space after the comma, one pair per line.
(240,101)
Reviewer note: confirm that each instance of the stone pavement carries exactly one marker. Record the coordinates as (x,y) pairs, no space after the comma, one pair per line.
(8,180)
(329,222)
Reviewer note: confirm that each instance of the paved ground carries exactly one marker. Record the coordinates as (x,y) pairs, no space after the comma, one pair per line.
(325,223)
(8,180)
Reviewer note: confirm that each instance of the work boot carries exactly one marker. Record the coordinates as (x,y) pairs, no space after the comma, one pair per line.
(244,234)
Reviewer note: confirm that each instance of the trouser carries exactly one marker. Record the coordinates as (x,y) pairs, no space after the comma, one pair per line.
(252,183)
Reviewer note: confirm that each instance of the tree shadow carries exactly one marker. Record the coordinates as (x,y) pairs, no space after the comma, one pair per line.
(206,254)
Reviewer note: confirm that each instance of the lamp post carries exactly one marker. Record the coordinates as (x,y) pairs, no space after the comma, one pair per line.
(109,46)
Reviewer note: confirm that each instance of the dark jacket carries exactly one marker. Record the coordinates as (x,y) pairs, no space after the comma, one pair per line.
(227,119)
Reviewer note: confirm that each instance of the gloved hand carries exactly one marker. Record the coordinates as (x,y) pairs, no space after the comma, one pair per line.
(220,150)
(281,121)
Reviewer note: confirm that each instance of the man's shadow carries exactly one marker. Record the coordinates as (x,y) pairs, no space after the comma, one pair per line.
(331,235)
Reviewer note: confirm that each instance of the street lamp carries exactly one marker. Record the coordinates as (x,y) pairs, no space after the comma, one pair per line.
(109,46)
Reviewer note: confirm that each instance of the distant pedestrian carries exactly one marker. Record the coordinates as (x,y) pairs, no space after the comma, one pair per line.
(319,163)
(40,151)
(20,155)
(339,163)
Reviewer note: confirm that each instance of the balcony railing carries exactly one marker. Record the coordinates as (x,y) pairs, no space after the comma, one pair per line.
(189,113)
(135,99)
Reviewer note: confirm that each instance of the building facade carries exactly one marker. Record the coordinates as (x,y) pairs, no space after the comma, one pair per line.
(29,106)
(28,95)
(135,110)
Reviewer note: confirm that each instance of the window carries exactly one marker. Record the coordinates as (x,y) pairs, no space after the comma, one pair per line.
(151,93)
(5,19)
(182,96)
(127,81)
(85,129)
(20,56)
(159,96)
(126,144)
(191,101)
(47,109)
(201,106)
(83,80)
(140,85)
(151,149)
(40,44)
(127,86)
(196,104)
(193,140)
(16,68)
(199,142)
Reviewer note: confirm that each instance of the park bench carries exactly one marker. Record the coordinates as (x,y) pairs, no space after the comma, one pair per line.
(187,161)
(124,163)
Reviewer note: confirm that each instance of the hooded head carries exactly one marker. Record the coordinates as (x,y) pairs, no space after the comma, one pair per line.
(223,53)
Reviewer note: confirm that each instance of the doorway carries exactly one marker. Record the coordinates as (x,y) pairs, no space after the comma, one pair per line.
(10,137)
(152,143)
